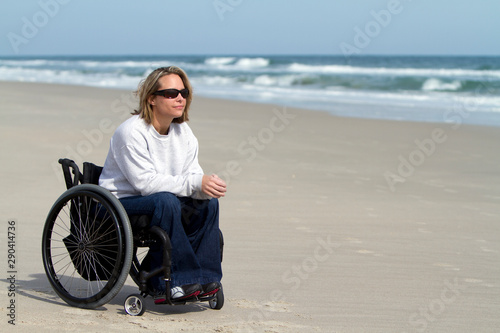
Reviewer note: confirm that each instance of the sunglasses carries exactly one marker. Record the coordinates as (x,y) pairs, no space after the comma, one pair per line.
(172,93)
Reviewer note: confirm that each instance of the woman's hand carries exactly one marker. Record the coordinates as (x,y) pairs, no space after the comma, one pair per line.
(213,186)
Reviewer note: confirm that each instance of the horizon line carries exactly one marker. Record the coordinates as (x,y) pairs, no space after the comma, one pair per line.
(249,55)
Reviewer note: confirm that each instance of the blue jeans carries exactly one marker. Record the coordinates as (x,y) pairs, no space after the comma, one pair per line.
(193,228)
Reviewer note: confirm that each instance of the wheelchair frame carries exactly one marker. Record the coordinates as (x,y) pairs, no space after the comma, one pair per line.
(90,244)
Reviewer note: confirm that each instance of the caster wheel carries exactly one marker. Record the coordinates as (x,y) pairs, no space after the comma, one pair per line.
(134,305)
(217,302)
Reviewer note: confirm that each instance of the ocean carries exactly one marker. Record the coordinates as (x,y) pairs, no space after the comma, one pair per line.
(412,88)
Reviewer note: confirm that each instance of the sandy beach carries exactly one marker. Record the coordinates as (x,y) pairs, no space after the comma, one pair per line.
(331,224)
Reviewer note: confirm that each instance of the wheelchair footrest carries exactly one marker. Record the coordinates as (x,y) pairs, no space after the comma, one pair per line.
(207,298)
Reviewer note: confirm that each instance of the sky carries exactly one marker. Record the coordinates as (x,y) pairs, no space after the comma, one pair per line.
(249,27)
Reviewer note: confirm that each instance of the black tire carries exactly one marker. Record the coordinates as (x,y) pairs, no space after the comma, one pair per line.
(217,302)
(87,246)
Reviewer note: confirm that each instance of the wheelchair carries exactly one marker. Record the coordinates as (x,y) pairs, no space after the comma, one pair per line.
(90,245)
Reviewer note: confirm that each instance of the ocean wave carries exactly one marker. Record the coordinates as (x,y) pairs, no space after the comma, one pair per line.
(386,71)
(282,80)
(335,95)
(72,77)
(219,61)
(230,64)
(82,65)
(436,84)
(252,62)
(24,63)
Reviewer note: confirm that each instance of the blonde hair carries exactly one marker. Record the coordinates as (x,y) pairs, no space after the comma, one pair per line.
(150,85)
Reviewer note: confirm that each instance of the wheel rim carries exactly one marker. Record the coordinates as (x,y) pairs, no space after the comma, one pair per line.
(83,248)
(213,302)
(133,305)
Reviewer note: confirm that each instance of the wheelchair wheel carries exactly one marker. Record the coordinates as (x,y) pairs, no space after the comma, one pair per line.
(87,246)
(217,302)
(134,305)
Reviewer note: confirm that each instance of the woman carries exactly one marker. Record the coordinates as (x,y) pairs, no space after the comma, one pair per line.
(152,167)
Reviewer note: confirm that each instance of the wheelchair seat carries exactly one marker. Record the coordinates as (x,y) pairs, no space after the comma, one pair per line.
(90,245)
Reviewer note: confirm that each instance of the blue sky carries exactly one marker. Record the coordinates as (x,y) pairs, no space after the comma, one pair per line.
(92,27)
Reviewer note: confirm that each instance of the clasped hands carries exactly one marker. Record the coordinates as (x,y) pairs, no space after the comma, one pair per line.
(213,186)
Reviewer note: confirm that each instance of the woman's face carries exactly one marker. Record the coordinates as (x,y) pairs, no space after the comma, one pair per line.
(168,108)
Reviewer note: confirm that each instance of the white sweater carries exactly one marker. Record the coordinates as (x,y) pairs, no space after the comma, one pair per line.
(142,162)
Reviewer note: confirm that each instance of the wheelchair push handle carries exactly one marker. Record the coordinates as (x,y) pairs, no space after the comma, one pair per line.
(66,165)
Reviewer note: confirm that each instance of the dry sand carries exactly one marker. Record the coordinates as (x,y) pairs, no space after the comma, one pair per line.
(331,224)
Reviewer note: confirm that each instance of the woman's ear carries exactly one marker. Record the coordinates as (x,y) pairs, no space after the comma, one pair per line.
(151,100)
